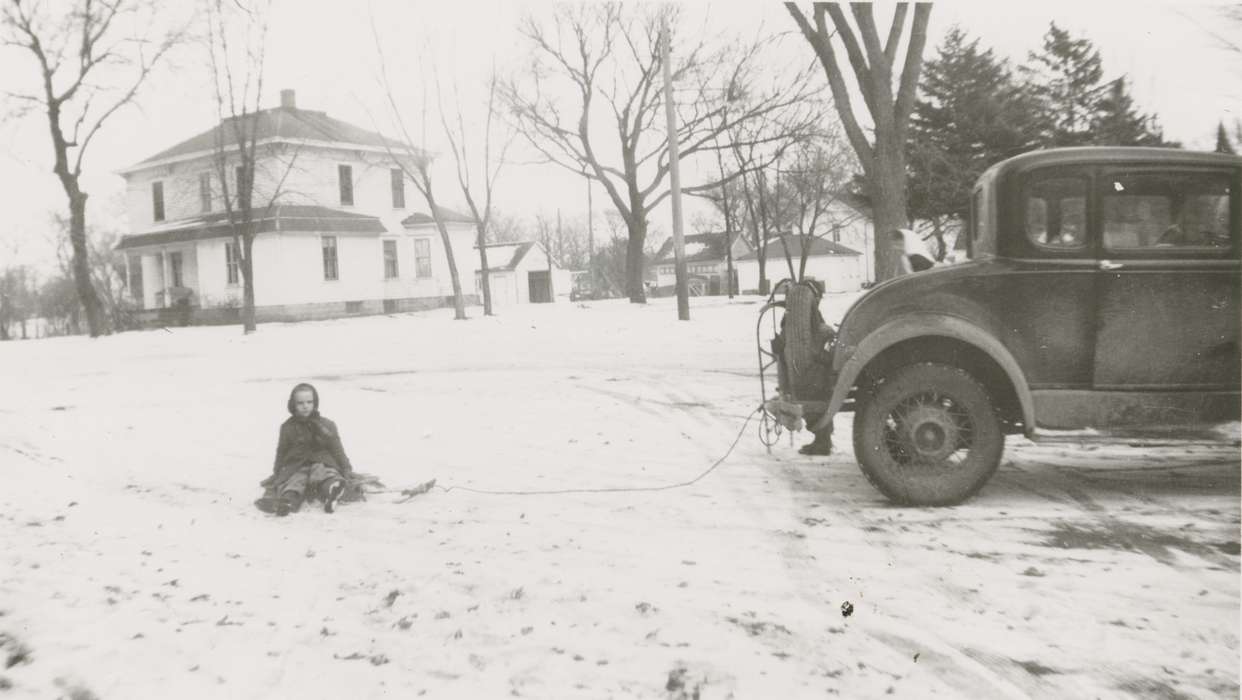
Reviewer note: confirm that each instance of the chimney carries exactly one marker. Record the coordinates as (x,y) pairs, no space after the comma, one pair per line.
(288,99)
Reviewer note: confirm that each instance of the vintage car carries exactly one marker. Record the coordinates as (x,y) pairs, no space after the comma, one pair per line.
(1100,302)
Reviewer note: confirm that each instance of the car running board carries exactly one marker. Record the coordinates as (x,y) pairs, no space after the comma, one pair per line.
(1218,434)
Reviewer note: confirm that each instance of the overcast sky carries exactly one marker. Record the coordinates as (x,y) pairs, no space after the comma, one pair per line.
(324,50)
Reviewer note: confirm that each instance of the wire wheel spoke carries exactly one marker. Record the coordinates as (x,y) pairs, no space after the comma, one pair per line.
(928,429)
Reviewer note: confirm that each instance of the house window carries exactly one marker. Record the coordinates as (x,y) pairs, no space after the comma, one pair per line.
(231,262)
(157,200)
(345,174)
(329,258)
(390,260)
(398,189)
(422,258)
(204,192)
(174,264)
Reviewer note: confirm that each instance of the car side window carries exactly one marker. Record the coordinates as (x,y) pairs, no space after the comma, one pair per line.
(1055,211)
(1177,211)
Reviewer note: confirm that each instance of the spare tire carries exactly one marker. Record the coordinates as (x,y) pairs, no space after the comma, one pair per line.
(803,344)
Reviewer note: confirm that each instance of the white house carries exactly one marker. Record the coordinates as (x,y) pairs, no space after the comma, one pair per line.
(337,231)
(841,249)
(706,262)
(520,273)
(841,269)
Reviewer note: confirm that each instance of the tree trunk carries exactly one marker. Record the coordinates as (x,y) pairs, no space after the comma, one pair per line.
(484,275)
(634,262)
(887,187)
(762,257)
(81,265)
(459,304)
(247,265)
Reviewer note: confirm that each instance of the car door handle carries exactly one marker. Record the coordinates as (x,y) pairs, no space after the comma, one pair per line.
(1109,265)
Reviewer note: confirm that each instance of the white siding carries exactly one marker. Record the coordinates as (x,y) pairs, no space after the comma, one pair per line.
(289,266)
(839,273)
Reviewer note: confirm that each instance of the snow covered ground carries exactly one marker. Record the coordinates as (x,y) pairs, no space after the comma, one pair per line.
(134,566)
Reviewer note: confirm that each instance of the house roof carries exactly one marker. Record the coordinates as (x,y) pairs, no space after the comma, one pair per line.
(420,219)
(280,123)
(284,217)
(795,245)
(700,247)
(507,255)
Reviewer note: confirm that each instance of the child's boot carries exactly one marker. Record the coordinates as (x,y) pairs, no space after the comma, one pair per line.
(289,502)
(332,495)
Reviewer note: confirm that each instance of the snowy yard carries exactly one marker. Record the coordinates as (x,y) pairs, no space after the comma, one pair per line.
(134,565)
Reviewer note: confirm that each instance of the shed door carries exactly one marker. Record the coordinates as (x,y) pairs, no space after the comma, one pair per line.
(540,283)
(502,289)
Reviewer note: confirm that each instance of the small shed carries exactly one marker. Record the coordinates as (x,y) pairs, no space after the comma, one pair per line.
(521,273)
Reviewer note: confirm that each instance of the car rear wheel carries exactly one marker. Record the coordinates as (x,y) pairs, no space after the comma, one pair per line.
(927,435)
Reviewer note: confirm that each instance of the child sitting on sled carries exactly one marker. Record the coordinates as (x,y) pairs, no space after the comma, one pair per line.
(310,460)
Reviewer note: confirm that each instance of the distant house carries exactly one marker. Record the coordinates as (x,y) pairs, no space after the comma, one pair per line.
(706,262)
(520,273)
(841,269)
(841,252)
(341,234)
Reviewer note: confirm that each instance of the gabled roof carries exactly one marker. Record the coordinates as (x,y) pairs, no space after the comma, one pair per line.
(279,123)
(795,244)
(700,247)
(449,216)
(504,257)
(284,217)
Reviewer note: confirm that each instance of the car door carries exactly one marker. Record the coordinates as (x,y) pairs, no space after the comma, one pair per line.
(1167,345)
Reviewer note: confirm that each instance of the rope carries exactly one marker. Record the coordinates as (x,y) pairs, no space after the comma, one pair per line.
(615,489)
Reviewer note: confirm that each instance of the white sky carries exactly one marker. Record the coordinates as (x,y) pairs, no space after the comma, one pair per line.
(324,51)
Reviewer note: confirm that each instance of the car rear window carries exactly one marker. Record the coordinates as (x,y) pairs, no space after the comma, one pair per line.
(1055,211)
(1167,210)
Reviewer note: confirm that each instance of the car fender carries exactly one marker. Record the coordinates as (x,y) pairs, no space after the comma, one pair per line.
(917,325)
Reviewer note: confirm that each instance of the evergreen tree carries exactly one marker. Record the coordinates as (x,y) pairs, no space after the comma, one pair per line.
(1076,106)
(1222,140)
(972,114)
(1065,76)
(1118,123)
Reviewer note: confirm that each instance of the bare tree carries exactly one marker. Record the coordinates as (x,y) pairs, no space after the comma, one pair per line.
(883,157)
(478,195)
(505,227)
(17,300)
(92,59)
(415,163)
(759,199)
(251,179)
(608,56)
(815,181)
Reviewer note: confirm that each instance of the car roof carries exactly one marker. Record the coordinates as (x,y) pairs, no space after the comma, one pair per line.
(1104,155)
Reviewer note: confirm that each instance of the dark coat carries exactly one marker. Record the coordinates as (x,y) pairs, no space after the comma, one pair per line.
(305,441)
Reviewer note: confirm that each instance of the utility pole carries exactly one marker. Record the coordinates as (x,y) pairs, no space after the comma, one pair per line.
(674,168)
(590,237)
